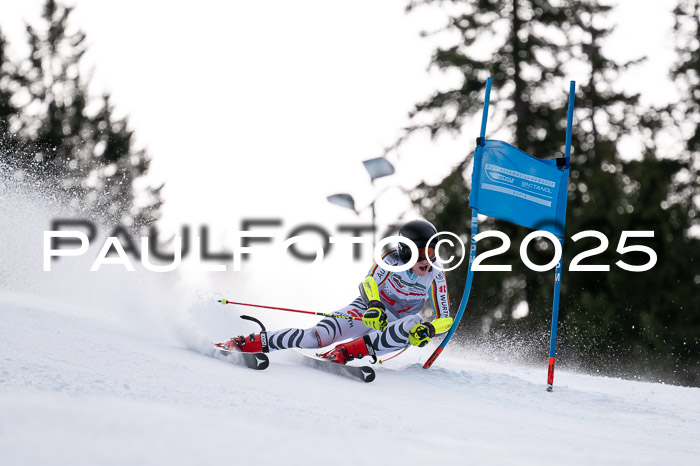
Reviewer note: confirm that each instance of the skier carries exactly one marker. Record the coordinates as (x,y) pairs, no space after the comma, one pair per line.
(389,305)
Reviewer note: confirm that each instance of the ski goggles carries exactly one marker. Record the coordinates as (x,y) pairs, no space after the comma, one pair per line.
(426,253)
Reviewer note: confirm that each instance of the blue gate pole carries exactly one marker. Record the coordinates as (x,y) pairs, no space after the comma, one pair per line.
(465,295)
(472,244)
(555,320)
(570,119)
(558,272)
(485,114)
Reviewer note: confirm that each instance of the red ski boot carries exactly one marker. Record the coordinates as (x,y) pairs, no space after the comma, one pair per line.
(355,349)
(254,343)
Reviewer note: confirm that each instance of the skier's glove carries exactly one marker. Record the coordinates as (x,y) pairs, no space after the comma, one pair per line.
(375,316)
(421,334)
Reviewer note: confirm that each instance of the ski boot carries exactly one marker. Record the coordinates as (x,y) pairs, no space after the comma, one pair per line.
(253,343)
(355,349)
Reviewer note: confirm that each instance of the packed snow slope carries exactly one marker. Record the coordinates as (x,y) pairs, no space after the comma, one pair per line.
(82,391)
(116,368)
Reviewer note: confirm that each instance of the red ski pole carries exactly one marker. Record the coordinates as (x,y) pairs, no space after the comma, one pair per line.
(226,301)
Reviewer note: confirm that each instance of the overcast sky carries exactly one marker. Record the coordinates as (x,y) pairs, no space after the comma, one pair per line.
(233,98)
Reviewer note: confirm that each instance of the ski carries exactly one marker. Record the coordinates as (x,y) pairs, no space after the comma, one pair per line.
(257,361)
(362,373)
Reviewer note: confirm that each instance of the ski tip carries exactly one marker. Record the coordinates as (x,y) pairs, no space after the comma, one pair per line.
(222,301)
(360,373)
(367,374)
(257,361)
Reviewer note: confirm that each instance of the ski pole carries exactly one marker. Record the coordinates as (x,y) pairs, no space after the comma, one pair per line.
(226,301)
(381,361)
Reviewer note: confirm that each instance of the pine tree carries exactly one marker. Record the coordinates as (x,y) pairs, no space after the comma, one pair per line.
(526,66)
(8,111)
(75,143)
(686,115)
(678,311)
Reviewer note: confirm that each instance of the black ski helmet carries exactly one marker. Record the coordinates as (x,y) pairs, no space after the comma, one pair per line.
(418,231)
